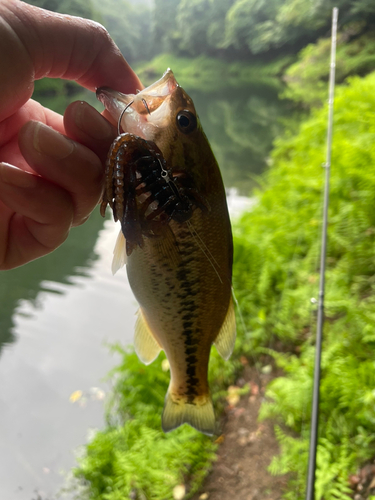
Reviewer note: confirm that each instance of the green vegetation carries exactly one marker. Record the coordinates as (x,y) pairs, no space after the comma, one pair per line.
(73,7)
(307,78)
(230,30)
(57,94)
(129,25)
(124,459)
(209,75)
(277,249)
(249,28)
(133,454)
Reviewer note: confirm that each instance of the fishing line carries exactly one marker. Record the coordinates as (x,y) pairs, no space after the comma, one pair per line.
(192,231)
(310,486)
(246,331)
(203,243)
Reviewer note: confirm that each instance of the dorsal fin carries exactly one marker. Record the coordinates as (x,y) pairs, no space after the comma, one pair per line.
(119,253)
(226,338)
(145,344)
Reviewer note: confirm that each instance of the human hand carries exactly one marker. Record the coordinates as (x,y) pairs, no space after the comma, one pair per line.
(50,182)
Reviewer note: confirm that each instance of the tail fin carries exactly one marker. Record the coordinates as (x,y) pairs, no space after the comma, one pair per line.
(200,415)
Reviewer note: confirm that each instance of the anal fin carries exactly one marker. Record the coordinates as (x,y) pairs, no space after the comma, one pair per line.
(145,344)
(226,338)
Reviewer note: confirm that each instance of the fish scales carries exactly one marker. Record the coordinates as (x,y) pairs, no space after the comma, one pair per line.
(181,277)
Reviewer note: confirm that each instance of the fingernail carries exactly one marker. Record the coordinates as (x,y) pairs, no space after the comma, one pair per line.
(14,176)
(50,143)
(91,122)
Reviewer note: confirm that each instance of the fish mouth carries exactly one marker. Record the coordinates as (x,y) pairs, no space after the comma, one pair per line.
(113,101)
(133,111)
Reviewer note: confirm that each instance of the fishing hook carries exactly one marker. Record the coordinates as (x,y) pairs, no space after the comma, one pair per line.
(146,106)
(121,115)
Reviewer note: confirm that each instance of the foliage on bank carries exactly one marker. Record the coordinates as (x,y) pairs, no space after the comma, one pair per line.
(276,273)
(132,457)
(306,79)
(208,75)
(227,29)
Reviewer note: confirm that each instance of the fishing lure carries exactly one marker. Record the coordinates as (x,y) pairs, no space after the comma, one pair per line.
(143,192)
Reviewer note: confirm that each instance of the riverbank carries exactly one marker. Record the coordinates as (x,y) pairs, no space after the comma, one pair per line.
(281,241)
(247,445)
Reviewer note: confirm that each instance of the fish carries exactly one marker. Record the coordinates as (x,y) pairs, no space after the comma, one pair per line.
(179,266)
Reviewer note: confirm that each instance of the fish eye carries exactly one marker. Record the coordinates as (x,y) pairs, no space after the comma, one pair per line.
(186,121)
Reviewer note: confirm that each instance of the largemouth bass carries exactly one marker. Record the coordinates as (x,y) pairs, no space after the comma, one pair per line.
(179,263)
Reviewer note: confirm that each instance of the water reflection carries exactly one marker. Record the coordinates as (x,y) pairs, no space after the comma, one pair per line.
(74,258)
(63,310)
(241,125)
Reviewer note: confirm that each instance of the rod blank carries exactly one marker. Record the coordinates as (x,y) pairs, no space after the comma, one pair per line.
(310,486)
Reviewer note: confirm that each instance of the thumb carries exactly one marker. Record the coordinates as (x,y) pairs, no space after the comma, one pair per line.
(45,44)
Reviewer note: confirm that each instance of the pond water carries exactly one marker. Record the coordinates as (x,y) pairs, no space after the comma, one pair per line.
(58,314)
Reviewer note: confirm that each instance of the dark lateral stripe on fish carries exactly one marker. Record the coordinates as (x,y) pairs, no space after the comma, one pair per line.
(189,341)
(192,382)
(190,350)
(191,359)
(188,316)
(188,289)
(188,307)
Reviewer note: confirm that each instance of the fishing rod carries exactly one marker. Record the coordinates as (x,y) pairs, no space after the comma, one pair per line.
(310,486)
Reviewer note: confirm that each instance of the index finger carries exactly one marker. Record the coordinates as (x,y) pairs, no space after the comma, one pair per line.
(45,44)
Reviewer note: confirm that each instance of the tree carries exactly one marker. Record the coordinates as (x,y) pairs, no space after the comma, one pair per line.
(164,25)
(252,24)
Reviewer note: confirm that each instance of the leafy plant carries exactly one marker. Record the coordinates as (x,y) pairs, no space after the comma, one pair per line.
(276,265)
(132,455)
(306,80)
(141,460)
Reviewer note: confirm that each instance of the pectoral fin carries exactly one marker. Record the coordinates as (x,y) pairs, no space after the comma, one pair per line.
(119,253)
(145,344)
(226,338)
(167,247)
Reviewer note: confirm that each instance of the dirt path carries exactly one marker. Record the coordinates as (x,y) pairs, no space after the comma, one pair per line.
(248,447)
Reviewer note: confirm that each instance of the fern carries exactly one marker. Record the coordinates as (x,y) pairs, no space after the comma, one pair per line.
(281,240)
